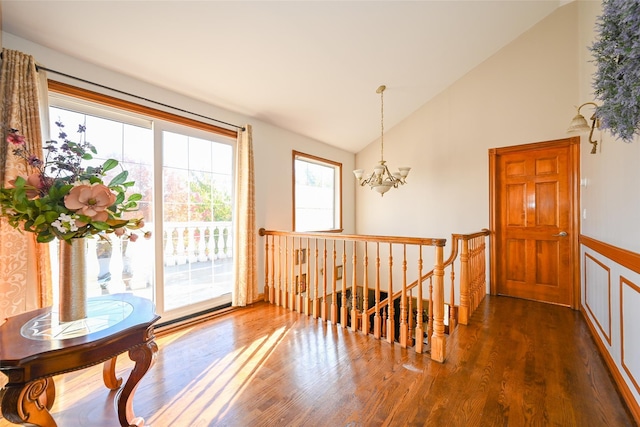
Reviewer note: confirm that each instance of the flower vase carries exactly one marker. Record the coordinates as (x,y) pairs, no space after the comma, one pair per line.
(73,284)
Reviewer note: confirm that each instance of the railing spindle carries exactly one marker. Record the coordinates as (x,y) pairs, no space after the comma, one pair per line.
(354,290)
(307,281)
(266,268)
(324,283)
(334,295)
(419,345)
(279,284)
(287,281)
(404,327)
(377,323)
(452,299)
(391,328)
(365,290)
(430,314)
(411,319)
(343,307)
(316,300)
(298,284)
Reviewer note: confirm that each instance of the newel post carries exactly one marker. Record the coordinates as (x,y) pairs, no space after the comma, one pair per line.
(463,316)
(438,345)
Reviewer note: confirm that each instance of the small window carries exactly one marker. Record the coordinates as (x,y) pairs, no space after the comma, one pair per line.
(317,193)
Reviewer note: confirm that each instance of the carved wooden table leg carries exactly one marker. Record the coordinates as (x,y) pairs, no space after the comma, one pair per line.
(144,356)
(30,403)
(109,374)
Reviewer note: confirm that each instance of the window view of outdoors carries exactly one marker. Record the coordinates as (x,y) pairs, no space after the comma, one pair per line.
(196,262)
(118,265)
(315,196)
(197,212)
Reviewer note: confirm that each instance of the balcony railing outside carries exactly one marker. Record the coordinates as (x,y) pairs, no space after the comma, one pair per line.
(203,247)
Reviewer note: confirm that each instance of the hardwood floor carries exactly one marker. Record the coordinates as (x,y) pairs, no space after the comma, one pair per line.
(519,363)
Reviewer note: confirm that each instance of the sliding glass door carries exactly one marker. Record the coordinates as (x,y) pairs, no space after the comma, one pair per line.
(185,177)
(197,210)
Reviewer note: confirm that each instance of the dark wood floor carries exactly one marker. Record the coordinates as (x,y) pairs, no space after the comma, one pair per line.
(519,363)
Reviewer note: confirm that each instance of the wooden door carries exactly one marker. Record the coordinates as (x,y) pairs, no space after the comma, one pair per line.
(534,197)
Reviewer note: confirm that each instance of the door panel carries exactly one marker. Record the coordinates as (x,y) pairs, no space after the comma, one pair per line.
(533,202)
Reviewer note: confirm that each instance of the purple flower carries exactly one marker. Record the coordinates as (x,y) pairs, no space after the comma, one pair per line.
(34,161)
(616,53)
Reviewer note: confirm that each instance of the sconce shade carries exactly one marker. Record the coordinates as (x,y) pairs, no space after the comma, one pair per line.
(578,124)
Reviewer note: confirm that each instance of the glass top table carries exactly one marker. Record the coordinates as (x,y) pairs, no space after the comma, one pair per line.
(35,346)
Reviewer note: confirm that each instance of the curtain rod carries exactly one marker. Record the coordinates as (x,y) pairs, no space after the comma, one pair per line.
(39,67)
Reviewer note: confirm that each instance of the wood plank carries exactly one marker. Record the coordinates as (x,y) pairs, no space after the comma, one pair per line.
(519,362)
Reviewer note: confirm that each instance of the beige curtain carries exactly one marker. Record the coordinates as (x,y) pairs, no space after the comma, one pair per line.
(25,270)
(246,284)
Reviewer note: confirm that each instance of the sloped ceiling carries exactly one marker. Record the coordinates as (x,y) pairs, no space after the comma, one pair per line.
(311,67)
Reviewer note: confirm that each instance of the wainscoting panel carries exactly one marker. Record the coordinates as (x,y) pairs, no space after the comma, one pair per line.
(597,294)
(610,297)
(630,330)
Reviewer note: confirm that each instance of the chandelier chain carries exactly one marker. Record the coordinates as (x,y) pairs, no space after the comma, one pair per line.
(382,126)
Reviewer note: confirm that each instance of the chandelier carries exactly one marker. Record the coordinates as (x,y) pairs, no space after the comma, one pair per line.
(381,179)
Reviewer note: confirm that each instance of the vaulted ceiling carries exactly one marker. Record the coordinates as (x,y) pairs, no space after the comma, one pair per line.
(311,67)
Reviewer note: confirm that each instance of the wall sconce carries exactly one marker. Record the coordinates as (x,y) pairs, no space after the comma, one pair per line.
(579,124)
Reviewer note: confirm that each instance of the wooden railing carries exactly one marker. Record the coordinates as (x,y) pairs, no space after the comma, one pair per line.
(310,273)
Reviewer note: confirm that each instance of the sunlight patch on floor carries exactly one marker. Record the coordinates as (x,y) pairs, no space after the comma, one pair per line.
(209,396)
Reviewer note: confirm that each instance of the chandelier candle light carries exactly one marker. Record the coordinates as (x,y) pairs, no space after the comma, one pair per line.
(381,179)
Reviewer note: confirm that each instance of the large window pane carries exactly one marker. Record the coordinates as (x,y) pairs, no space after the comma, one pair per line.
(116,265)
(197,207)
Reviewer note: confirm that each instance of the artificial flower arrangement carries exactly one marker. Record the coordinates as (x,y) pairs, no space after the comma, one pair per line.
(617,58)
(64,200)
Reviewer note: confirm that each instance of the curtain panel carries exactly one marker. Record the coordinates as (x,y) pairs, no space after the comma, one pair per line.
(25,270)
(246,280)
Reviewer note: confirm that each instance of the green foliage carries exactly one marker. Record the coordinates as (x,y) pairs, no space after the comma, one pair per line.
(40,203)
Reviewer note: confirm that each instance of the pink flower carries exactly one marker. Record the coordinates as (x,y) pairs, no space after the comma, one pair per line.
(15,139)
(133,237)
(34,185)
(119,231)
(34,180)
(90,200)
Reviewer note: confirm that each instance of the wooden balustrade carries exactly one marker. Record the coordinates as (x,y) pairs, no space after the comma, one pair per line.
(330,276)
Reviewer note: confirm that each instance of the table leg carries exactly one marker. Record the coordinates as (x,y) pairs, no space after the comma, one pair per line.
(29,403)
(144,356)
(109,374)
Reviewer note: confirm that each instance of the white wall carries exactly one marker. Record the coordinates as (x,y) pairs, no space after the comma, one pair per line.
(525,93)
(611,198)
(610,291)
(272,146)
